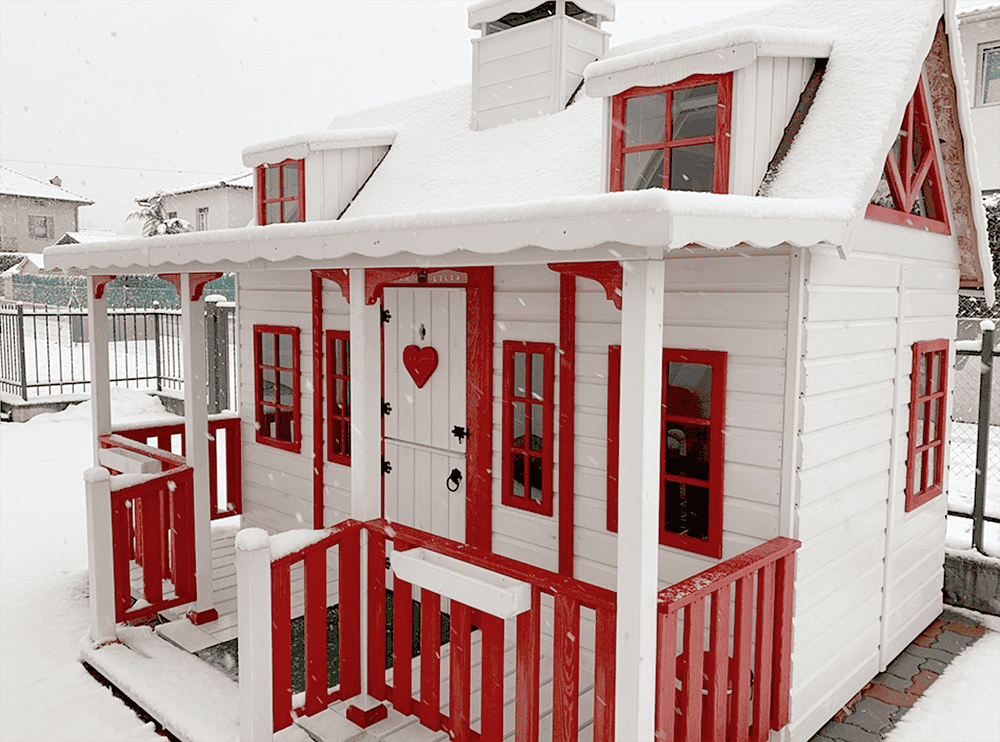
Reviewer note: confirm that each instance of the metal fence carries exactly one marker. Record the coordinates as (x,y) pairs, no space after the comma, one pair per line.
(45,350)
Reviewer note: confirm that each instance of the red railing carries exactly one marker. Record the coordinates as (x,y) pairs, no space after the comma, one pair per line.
(152,522)
(318,696)
(569,597)
(710,694)
(228,479)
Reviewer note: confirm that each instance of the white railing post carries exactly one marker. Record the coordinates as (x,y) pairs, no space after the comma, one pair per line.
(100,555)
(99,335)
(253,601)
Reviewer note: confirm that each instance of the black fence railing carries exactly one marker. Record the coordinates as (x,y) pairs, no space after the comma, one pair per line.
(45,350)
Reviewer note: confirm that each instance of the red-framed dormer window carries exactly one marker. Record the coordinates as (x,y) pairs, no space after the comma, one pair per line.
(338,396)
(692,443)
(528,432)
(911,190)
(675,136)
(281,192)
(276,386)
(928,416)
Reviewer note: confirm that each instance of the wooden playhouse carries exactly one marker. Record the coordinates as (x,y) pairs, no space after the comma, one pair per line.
(636,368)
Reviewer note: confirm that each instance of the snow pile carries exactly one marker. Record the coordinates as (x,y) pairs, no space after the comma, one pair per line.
(288,542)
(126,404)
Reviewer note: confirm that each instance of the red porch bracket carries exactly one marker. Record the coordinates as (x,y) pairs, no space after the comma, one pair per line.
(339,276)
(198,281)
(607,273)
(99,283)
(378,278)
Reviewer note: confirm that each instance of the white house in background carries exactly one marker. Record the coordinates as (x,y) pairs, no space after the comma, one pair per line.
(980,32)
(33,212)
(625,342)
(221,203)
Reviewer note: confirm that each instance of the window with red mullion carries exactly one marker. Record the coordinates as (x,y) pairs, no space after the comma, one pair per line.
(338,396)
(928,410)
(692,440)
(912,182)
(281,192)
(277,395)
(528,405)
(695,133)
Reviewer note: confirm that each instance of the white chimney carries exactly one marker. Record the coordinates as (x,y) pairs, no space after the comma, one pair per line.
(530,56)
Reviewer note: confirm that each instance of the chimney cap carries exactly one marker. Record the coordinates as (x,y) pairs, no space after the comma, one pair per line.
(56,181)
(486,11)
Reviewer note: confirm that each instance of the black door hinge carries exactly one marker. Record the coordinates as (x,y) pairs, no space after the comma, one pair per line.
(386,316)
(386,467)
(386,408)
(459,432)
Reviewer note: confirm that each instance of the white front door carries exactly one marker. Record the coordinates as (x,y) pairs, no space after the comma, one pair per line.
(424,399)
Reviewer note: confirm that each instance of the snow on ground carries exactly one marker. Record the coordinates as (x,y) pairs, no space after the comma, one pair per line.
(963,704)
(962,487)
(45,693)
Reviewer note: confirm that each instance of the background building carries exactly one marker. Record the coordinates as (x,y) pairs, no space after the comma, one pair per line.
(33,213)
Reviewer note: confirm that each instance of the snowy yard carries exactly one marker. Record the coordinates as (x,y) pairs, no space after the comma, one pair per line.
(45,694)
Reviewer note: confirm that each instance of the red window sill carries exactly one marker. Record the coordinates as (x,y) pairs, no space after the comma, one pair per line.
(891,216)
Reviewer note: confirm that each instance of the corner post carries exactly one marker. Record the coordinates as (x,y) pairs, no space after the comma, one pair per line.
(253,607)
(100,370)
(196,443)
(100,555)
(638,499)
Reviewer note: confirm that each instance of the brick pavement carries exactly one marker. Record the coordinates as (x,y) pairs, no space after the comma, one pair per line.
(870,715)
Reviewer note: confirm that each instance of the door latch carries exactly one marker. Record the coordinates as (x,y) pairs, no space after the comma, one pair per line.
(459,432)
(454,480)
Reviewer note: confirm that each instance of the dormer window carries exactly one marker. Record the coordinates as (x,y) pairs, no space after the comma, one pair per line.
(674,136)
(281,192)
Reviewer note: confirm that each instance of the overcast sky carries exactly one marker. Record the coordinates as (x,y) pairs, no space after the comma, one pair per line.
(123,98)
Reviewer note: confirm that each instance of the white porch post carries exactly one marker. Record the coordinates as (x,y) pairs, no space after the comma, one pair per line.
(253,606)
(196,446)
(100,373)
(638,495)
(366,447)
(100,554)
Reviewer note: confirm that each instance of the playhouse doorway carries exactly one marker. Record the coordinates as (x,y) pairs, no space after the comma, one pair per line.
(424,403)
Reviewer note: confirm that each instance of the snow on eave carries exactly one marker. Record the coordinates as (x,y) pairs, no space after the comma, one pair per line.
(983,12)
(485,11)
(634,222)
(297,146)
(17,184)
(232,181)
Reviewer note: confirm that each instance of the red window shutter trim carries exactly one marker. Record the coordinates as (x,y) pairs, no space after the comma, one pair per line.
(926,354)
(260,405)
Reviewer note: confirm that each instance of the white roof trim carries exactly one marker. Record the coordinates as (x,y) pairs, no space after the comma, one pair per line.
(716,53)
(491,10)
(568,228)
(297,146)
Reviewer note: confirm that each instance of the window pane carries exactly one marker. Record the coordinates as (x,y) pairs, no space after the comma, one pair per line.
(285,426)
(519,419)
(285,357)
(687,448)
(286,393)
(685,510)
(645,119)
(691,168)
(519,374)
(291,213)
(991,76)
(689,390)
(267,421)
(272,186)
(272,213)
(537,430)
(267,348)
(517,469)
(535,478)
(693,112)
(643,170)
(267,390)
(537,376)
(290,180)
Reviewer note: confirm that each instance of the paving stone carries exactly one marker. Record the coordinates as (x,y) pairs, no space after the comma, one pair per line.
(936,666)
(891,681)
(961,624)
(847,732)
(931,653)
(890,696)
(872,715)
(905,666)
(949,641)
(820,738)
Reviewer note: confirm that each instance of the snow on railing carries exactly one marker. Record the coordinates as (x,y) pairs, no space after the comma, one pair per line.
(710,694)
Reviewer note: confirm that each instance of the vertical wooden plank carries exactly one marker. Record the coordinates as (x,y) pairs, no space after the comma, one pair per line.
(213,474)
(479,404)
(349,557)
(459,350)
(423,487)
(762,660)
(430,659)
(152,546)
(528,655)
(438,385)
(183,511)
(460,657)
(391,481)
(739,715)
(281,646)
(315,629)
(692,680)
(567,407)
(121,550)
(491,720)
(666,675)
(403,330)
(402,647)
(782,672)
(392,353)
(423,414)
(376,615)
(764,114)
(566,670)
(319,427)
(717,668)
(234,466)
(604,676)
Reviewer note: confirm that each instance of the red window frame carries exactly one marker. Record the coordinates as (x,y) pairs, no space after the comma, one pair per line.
(338,397)
(715,423)
(908,179)
(928,395)
(545,407)
(299,197)
(723,123)
(286,416)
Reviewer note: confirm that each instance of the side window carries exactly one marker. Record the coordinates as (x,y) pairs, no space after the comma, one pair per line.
(928,417)
(675,136)
(692,441)
(528,432)
(988,79)
(276,386)
(338,397)
(281,192)
(41,227)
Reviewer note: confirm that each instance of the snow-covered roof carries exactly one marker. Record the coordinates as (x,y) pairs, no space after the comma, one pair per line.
(30,263)
(298,146)
(979,12)
(13,183)
(242,179)
(89,235)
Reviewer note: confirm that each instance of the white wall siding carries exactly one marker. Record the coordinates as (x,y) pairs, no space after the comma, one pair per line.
(334,176)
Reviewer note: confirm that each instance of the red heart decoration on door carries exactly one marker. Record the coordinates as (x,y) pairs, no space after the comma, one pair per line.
(420,363)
